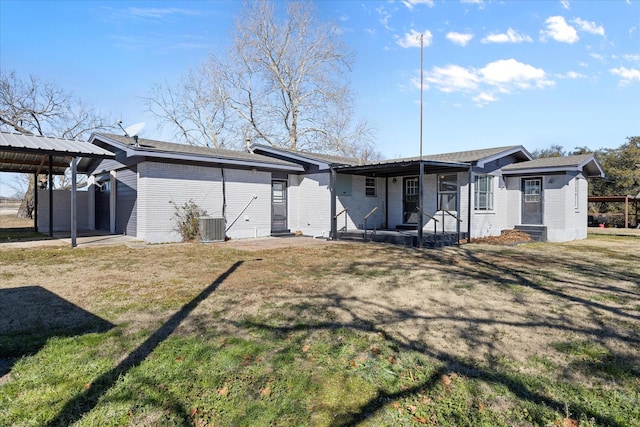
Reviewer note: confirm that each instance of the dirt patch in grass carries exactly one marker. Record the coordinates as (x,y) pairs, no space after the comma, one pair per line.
(546,312)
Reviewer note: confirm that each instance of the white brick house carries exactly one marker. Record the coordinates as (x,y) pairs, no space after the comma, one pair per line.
(269,191)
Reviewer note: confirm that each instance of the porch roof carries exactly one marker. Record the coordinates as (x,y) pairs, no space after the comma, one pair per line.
(404,167)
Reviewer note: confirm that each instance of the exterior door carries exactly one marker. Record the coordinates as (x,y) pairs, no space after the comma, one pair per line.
(278,205)
(532,201)
(103,196)
(410,200)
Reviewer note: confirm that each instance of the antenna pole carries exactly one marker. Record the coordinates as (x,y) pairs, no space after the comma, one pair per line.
(421,175)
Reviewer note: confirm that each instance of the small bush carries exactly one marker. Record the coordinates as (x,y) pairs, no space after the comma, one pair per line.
(187,220)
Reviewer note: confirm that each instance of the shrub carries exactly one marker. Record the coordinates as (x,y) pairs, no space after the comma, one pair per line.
(187,220)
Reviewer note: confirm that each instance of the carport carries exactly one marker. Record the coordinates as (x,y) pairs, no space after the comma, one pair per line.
(39,155)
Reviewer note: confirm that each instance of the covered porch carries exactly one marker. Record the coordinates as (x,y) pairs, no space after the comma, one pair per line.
(415,212)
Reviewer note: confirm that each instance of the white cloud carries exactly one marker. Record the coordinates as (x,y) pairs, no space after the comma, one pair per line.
(484,84)
(559,30)
(589,27)
(480,3)
(459,38)
(511,36)
(565,4)
(632,57)
(509,73)
(384,17)
(573,75)
(627,75)
(411,3)
(453,78)
(484,98)
(412,39)
(144,12)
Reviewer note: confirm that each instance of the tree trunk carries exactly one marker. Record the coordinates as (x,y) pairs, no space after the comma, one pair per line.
(26,207)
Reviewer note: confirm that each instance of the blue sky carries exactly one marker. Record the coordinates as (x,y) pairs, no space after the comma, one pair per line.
(496,73)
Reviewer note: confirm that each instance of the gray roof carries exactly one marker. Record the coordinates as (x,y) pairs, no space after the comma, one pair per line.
(313,157)
(575,162)
(170,150)
(468,156)
(29,153)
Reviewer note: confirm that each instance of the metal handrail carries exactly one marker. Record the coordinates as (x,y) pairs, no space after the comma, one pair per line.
(458,221)
(343,211)
(366,217)
(435,223)
(371,212)
(241,212)
(455,216)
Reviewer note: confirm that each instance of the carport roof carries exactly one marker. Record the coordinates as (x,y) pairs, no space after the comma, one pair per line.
(30,154)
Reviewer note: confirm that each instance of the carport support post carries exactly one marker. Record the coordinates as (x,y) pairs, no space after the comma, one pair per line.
(74,203)
(50,195)
(35,202)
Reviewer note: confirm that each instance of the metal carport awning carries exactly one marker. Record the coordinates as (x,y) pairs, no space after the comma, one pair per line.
(52,156)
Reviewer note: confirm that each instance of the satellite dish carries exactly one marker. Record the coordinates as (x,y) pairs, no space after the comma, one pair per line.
(133,130)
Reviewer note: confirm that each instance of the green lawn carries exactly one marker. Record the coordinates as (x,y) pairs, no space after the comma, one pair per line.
(327,335)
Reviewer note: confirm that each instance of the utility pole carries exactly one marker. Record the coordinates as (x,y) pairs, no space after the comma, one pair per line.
(421,175)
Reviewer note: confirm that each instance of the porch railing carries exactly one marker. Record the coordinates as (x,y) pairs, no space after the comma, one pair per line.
(343,211)
(458,221)
(435,221)
(366,217)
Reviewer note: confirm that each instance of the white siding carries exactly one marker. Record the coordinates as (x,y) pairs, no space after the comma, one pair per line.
(309,204)
(564,222)
(491,223)
(163,186)
(359,205)
(62,210)
(241,188)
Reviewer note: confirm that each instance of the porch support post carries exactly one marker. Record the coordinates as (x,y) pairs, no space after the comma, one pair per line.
(332,191)
(35,202)
(50,195)
(74,203)
(469,205)
(420,203)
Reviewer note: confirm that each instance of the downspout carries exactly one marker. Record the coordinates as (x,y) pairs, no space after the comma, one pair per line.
(332,191)
(224,199)
(469,204)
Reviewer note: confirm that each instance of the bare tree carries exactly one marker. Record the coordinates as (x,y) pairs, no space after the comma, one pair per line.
(283,81)
(194,108)
(35,107)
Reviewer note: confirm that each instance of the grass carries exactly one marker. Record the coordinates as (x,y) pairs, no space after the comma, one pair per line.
(205,335)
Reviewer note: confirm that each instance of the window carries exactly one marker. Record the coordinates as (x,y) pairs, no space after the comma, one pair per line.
(484,193)
(576,195)
(370,187)
(448,192)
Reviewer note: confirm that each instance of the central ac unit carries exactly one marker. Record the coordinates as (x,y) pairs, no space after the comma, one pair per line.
(212,229)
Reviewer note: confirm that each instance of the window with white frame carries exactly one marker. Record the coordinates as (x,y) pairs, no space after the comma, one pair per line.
(483,194)
(370,187)
(448,192)
(576,195)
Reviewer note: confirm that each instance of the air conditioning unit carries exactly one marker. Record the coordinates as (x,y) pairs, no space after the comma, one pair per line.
(211,229)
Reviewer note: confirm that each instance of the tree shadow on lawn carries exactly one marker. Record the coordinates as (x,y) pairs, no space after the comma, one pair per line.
(84,402)
(31,315)
(448,363)
(504,271)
